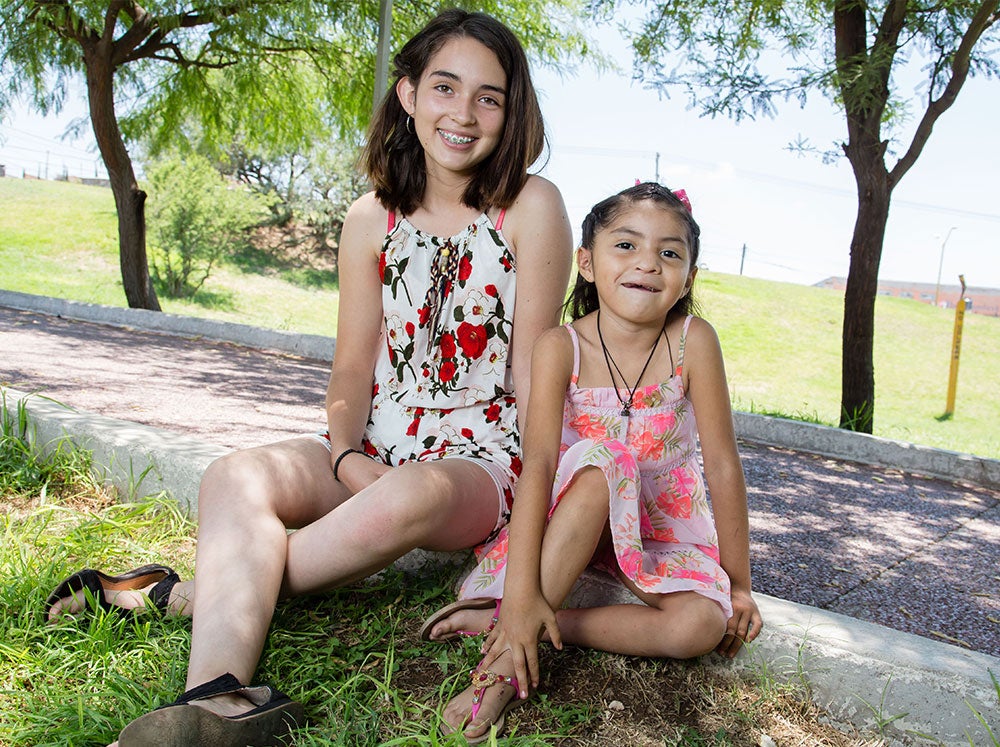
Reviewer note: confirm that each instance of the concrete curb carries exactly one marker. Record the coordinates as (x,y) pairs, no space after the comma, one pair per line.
(859,672)
(316,347)
(762,429)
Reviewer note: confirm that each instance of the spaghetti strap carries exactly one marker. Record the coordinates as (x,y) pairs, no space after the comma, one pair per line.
(680,353)
(391,222)
(576,351)
(499,224)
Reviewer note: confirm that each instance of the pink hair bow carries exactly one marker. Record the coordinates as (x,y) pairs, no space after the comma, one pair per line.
(681,195)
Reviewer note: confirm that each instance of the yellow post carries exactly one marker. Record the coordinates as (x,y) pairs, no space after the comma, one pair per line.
(956,349)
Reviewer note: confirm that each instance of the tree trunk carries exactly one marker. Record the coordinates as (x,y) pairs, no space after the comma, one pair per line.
(857,404)
(130,201)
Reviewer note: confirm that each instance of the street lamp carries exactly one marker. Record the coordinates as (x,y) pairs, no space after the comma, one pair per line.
(937,289)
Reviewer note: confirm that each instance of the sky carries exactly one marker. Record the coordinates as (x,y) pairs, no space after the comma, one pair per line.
(762,208)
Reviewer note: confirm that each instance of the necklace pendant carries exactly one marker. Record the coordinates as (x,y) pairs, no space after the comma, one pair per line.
(627,411)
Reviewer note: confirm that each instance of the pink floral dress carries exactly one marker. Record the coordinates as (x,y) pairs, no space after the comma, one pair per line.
(442,384)
(663,533)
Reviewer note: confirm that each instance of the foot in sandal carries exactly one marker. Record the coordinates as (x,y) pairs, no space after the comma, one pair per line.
(130,592)
(483,705)
(466,617)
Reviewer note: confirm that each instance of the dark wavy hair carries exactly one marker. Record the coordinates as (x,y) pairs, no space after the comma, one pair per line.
(583,298)
(393,157)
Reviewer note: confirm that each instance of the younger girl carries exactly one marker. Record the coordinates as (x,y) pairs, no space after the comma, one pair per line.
(611,476)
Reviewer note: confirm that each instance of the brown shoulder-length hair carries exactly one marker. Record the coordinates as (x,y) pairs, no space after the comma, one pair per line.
(393,157)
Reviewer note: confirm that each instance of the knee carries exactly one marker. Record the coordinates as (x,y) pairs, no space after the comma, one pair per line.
(589,492)
(238,478)
(405,502)
(692,631)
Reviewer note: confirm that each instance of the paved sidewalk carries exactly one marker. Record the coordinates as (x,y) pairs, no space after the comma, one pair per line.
(912,553)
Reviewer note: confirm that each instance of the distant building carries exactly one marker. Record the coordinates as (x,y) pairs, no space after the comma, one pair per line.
(980,300)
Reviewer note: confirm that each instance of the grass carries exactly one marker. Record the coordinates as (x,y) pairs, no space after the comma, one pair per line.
(352,657)
(782,341)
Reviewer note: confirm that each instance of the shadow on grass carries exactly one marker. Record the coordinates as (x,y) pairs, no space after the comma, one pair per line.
(293,263)
(216,300)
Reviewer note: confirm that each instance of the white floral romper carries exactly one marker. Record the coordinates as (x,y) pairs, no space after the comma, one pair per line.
(442,384)
(663,533)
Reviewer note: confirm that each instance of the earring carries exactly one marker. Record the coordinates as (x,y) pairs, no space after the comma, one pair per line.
(409,124)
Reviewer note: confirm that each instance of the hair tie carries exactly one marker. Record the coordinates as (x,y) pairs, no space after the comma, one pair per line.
(681,195)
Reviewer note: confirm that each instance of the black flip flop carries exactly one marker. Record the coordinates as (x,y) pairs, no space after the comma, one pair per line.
(183,724)
(97,583)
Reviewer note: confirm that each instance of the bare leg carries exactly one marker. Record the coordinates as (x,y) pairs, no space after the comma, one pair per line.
(679,625)
(246,559)
(573,534)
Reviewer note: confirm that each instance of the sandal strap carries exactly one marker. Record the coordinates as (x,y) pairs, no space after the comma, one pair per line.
(489,628)
(160,593)
(482,680)
(221,685)
(262,696)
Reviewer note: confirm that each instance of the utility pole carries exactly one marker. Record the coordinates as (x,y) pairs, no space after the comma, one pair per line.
(937,288)
(743,257)
(382,52)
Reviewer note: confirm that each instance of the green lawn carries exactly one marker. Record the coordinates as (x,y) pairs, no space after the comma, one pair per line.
(782,341)
(352,657)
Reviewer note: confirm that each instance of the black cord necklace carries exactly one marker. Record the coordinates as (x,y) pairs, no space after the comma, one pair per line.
(627,403)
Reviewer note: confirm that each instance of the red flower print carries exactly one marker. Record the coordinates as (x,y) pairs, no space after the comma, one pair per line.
(448,348)
(493,413)
(464,268)
(491,290)
(467,433)
(381,266)
(375,390)
(505,261)
(447,371)
(677,505)
(472,339)
(423,314)
(412,430)
(648,446)
(589,427)
(515,465)
(410,329)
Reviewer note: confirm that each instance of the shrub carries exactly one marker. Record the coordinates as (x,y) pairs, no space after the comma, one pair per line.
(195,218)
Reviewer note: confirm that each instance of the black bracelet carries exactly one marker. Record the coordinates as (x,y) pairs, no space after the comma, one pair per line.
(336,464)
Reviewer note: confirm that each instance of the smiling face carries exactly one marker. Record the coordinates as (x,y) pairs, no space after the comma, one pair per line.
(640,263)
(458,106)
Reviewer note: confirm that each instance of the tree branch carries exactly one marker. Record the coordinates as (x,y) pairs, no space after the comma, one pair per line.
(71,26)
(986,15)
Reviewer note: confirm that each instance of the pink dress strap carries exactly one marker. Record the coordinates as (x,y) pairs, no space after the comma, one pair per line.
(576,352)
(391,222)
(499,223)
(680,353)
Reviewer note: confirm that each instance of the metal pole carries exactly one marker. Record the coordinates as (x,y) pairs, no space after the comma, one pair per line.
(937,289)
(382,53)
(956,349)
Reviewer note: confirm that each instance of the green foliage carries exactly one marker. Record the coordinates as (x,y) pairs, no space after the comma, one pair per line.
(195,218)
(745,59)
(314,187)
(26,470)
(282,73)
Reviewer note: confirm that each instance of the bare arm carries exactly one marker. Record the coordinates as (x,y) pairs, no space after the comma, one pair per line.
(538,230)
(359,325)
(707,389)
(525,612)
